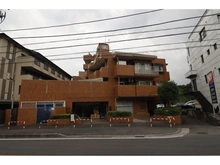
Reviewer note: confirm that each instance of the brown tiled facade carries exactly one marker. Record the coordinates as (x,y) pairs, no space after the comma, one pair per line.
(110,81)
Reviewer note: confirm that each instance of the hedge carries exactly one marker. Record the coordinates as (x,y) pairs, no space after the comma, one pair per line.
(119,114)
(172,111)
(63,116)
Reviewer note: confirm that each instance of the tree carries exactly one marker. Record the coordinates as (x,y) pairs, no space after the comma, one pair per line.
(185,93)
(168,93)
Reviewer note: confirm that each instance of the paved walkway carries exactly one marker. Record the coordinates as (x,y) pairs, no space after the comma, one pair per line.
(140,127)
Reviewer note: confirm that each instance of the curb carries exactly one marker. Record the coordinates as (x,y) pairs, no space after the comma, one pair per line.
(179,133)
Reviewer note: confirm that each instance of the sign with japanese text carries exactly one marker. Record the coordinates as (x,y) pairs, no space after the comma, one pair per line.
(212,87)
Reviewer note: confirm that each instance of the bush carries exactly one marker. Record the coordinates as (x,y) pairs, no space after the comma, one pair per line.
(119,114)
(172,111)
(63,116)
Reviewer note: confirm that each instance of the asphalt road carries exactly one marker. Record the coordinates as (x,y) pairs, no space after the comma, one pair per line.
(196,144)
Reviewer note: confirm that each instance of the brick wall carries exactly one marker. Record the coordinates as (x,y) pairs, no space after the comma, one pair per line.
(7,116)
(29,115)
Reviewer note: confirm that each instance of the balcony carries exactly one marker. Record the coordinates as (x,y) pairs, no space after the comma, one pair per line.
(144,91)
(191,74)
(124,70)
(136,91)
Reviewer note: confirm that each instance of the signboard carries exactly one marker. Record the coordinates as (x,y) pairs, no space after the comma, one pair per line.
(212,87)
(72,117)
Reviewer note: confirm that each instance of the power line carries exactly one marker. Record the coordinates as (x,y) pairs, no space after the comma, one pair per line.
(113,30)
(125,48)
(175,28)
(141,52)
(126,40)
(85,22)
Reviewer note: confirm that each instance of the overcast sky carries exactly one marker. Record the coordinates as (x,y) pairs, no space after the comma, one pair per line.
(28,18)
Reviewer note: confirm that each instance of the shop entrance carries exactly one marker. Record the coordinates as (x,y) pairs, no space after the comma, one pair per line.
(86,109)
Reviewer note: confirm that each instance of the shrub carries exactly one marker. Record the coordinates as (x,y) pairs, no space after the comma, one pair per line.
(63,116)
(119,114)
(171,111)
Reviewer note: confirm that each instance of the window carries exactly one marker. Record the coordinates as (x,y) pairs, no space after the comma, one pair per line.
(8,76)
(125,106)
(59,104)
(19,89)
(206,80)
(218,16)
(202,58)
(58,74)
(160,68)
(208,52)
(10,56)
(63,77)
(190,66)
(144,83)
(52,71)
(22,55)
(45,66)
(218,70)
(202,34)
(6,96)
(36,62)
(105,79)
(215,46)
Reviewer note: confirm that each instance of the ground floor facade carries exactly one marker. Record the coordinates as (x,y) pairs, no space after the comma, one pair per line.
(41,99)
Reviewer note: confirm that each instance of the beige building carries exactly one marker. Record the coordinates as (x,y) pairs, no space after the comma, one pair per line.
(18,63)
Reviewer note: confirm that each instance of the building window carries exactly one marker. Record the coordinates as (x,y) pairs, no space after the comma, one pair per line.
(19,89)
(202,59)
(190,66)
(10,56)
(6,96)
(206,80)
(8,76)
(52,71)
(202,34)
(105,79)
(63,77)
(218,70)
(218,16)
(160,68)
(208,52)
(45,66)
(215,46)
(144,83)
(58,74)
(22,55)
(36,62)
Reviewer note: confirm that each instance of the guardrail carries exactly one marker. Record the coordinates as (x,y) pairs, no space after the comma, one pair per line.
(169,119)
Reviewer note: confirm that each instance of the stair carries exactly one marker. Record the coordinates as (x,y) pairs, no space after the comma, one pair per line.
(206,105)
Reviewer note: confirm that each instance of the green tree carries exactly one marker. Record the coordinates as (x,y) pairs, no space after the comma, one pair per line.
(168,93)
(185,93)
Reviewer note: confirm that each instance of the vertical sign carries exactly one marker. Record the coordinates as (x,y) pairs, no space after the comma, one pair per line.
(212,87)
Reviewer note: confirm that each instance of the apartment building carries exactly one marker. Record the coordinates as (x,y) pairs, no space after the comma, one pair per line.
(110,81)
(18,63)
(204,61)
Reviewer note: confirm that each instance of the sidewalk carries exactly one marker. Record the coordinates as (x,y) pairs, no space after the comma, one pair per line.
(99,128)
